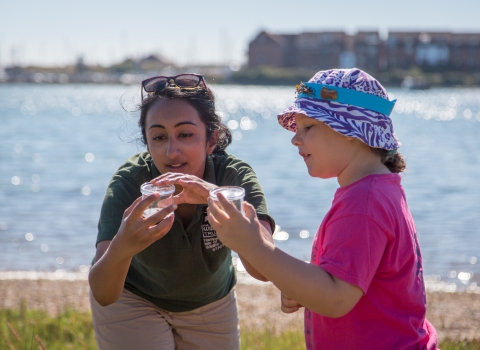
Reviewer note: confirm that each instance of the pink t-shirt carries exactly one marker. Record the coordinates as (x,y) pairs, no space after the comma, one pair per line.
(368,239)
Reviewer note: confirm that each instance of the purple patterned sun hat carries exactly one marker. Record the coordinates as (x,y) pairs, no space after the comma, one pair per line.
(366,117)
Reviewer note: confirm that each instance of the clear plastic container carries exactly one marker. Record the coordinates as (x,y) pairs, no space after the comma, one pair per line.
(166,197)
(233,193)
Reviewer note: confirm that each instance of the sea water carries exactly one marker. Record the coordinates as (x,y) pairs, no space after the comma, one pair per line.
(151,211)
(61,144)
(165,199)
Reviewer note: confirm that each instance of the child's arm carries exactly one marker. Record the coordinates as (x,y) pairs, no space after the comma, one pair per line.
(267,234)
(308,285)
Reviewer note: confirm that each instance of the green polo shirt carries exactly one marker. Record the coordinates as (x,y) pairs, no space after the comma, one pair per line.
(187,268)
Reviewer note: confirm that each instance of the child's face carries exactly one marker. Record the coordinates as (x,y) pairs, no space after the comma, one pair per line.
(325,152)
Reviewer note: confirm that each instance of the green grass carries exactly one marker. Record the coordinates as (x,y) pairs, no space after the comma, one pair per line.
(24,329)
(266,340)
(35,329)
(448,344)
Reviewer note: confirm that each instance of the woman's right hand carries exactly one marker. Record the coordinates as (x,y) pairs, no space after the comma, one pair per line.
(136,232)
(113,258)
(289,305)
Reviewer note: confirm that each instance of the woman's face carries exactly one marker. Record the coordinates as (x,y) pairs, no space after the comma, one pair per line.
(177,138)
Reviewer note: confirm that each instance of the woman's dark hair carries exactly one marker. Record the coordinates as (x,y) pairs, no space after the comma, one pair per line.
(393,161)
(199,98)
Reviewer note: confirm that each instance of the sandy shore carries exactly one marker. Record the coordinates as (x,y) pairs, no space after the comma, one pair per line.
(454,315)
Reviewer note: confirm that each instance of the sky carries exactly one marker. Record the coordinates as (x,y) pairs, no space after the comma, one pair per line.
(190,32)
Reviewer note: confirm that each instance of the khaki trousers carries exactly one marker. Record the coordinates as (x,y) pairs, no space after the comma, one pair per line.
(133,323)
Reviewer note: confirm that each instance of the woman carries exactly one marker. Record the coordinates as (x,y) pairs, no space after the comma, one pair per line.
(167,281)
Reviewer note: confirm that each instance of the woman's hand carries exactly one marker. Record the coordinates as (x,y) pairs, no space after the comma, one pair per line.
(113,258)
(240,233)
(195,190)
(136,232)
(289,305)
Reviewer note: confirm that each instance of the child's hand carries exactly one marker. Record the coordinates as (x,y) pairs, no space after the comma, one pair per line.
(239,232)
(289,305)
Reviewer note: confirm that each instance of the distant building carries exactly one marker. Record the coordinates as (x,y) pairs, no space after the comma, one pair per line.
(320,50)
(307,50)
(272,50)
(426,50)
(153,63)
(367,48)
(432,51)
(465,51)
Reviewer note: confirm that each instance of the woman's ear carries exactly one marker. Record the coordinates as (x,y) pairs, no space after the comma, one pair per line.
(212,142)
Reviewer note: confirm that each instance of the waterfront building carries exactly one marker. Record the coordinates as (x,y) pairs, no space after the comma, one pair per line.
(368,51)
(431,51)
(272,50)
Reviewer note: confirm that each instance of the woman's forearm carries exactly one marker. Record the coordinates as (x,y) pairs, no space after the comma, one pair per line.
(113,258)
(107,276)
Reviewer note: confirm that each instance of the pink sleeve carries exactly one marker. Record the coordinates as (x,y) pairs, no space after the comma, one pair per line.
(353,247)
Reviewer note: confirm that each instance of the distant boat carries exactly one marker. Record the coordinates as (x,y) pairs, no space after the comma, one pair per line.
(412,83)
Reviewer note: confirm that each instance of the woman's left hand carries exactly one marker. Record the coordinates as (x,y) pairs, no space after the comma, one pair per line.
(237,231)
(195,190)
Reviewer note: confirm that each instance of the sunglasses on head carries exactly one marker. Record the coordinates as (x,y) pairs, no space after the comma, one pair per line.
(183,81)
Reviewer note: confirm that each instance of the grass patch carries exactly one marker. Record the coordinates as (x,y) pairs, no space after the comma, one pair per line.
(21,328)
(449,344)
(266,340)
(35,329)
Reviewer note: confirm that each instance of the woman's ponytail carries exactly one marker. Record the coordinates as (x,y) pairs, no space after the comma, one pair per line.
(224,138)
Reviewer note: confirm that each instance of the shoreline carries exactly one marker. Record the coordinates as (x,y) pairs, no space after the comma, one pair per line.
(433,283)
(455,315)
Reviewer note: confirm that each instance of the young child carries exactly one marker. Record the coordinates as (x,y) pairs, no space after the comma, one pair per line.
(363,288)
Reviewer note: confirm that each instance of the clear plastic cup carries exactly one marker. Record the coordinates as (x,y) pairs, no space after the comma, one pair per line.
(233,193)
(166,197)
